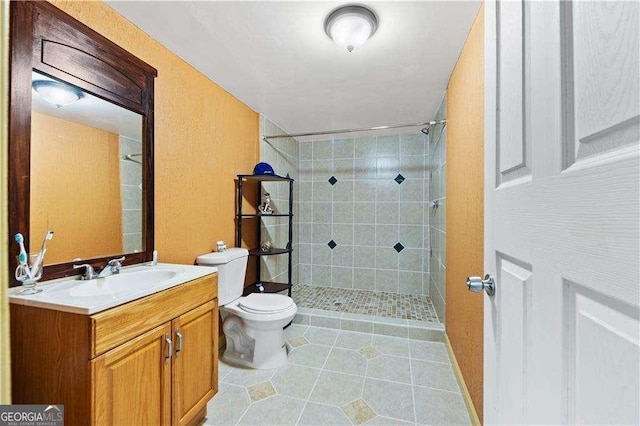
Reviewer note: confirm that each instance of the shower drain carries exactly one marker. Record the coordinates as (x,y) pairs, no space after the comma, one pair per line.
(338,302)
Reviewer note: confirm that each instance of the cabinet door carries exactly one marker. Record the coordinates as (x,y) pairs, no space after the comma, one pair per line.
(133,381)
(195,362)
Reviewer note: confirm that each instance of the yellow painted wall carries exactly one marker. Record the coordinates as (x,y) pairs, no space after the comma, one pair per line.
(204,137)
(465,209)
(74,168)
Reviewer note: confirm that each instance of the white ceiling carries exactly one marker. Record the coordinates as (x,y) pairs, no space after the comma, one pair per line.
(276,58)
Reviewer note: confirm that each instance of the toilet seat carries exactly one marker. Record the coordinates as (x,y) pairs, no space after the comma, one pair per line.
(261,303)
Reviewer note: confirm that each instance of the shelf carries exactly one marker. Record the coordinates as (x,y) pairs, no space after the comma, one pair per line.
(269,287)
(263,178)
(267,215)
(273,251)
(252,219)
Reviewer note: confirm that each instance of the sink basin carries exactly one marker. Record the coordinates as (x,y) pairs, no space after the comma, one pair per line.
(120,283)
(88,297)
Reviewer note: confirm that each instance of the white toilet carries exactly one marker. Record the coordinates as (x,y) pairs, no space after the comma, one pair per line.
(253,324)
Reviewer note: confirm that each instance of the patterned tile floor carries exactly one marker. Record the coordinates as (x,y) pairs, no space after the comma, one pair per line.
(391,305)
(338,377)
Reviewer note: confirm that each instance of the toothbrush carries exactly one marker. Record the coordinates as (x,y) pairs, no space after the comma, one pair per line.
(43,250)
(22,256)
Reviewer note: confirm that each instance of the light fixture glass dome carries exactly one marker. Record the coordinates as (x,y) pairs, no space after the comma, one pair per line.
(351,26)
(57,93)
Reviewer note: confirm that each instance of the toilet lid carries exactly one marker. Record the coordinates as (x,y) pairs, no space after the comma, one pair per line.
(261,303)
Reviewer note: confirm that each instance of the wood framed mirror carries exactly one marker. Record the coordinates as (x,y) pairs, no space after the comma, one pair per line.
(85,169)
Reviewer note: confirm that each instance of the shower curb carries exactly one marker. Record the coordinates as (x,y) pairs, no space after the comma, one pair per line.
(411,329)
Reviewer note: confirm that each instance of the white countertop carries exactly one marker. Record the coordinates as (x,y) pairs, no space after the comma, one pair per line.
(89,297)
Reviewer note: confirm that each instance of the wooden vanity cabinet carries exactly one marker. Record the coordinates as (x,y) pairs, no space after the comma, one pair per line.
(153,361)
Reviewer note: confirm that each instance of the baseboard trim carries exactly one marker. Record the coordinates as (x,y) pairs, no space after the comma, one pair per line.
(466,396)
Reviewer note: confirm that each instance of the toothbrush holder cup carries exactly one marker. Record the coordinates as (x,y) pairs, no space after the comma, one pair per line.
(29,274)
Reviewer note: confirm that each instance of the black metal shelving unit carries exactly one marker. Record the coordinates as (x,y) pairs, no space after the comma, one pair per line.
(268,286)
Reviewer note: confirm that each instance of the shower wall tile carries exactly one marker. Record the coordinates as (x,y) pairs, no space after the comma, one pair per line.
(364,168)
(410,282)
(343,148)
(386,281)
(306,171)
(322,212)
(321,254)
(364,279)
(343,233)
(343,212)
(304,253)
(306,151)
(364,257)
(342,277)
(366,194)
(387,213)
(365,147)
(412,144)
(364,190)
(388,146)
(322,150)
(411,260)
(435,282)
(364,213)
(342,256)
(412,213)
(386,258)
(364,235)
(387,168)
(411,236)
(321,275)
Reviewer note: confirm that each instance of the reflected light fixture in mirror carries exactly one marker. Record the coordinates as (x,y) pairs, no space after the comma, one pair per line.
(351,26)
(57,93)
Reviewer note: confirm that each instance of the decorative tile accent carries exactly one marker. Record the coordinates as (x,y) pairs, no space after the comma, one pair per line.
(399,179)
(333,180)
(296,342)
(332,244)
(369,352)
(365,302)
(358,412)
(398,247)
(261,391)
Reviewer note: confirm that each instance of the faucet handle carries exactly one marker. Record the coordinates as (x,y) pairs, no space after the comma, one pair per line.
(89,272)
(115,265)
(116,262)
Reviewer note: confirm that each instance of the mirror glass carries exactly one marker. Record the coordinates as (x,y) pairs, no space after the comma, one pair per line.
(86,174)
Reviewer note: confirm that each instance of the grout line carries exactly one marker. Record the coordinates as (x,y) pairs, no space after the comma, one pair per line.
(248,407)
(317,379)
(413,388)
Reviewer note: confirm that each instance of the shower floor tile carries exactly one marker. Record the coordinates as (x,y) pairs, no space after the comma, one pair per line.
(364,302)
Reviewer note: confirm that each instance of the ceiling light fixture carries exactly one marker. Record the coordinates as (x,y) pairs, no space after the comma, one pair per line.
(351,26)
(57,93)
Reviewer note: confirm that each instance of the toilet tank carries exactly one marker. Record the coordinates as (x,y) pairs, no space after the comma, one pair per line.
(232,267)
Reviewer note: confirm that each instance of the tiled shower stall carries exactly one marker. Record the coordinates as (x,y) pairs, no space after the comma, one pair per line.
(363,226)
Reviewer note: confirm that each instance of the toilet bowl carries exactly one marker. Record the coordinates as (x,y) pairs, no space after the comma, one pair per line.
(253,324)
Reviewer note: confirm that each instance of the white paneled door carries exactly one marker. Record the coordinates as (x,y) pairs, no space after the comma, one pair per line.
(562,212)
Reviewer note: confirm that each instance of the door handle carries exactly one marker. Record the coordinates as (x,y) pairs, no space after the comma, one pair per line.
(179,341)
(167,357)
(477,284)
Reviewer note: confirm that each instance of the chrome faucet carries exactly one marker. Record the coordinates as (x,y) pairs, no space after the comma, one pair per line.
(113,267)
(89,272)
